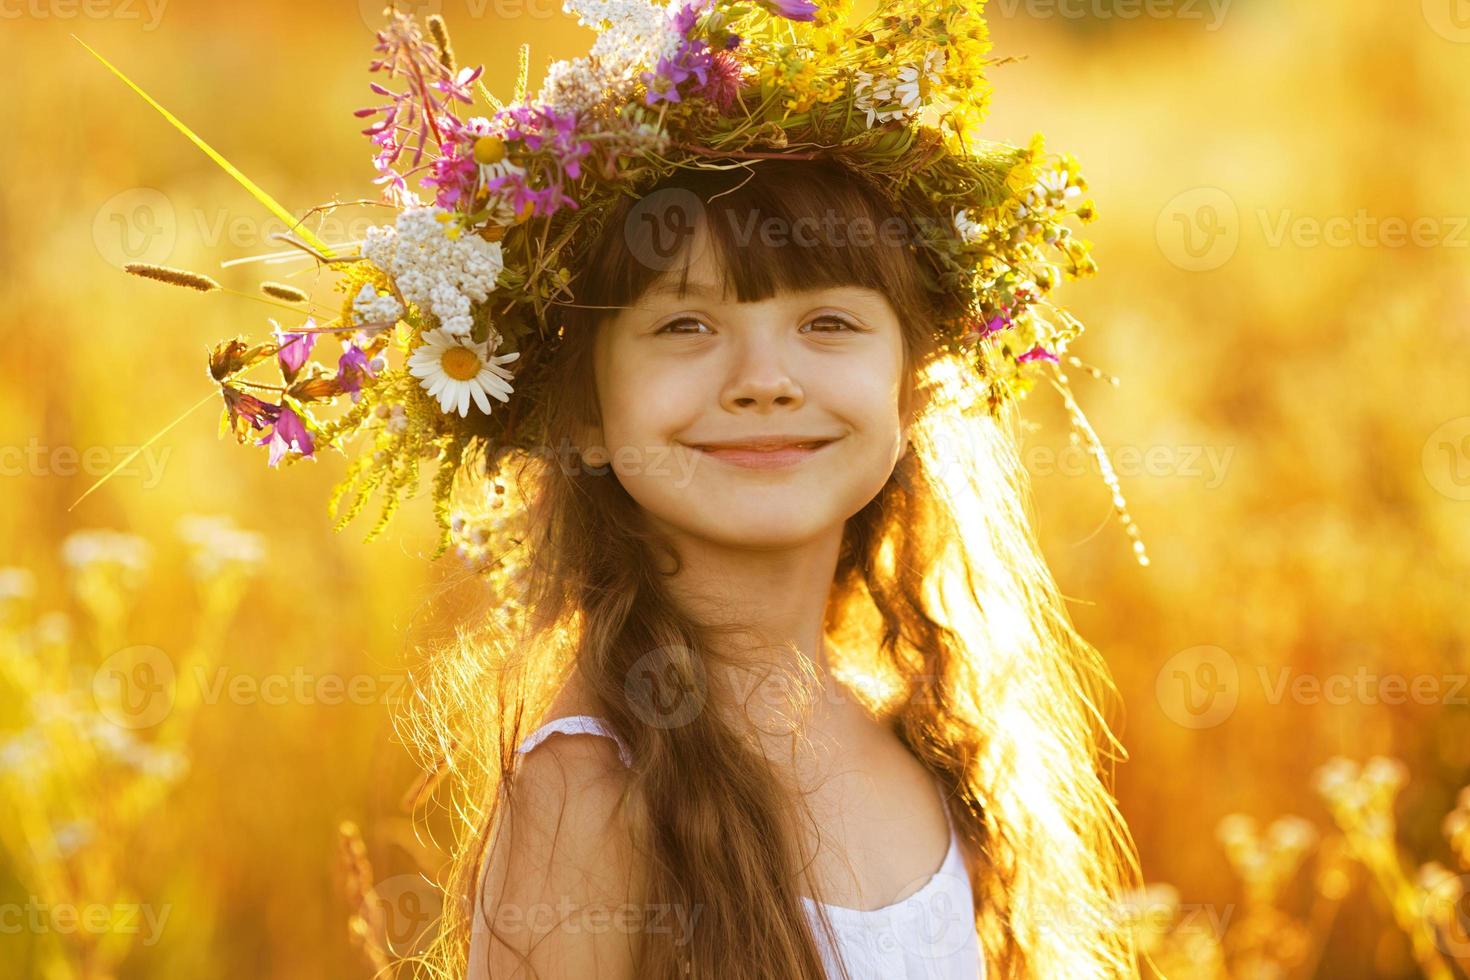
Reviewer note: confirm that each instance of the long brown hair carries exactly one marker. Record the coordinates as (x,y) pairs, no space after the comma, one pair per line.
(942,614)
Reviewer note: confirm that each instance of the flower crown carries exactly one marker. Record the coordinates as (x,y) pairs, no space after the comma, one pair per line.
(444,313)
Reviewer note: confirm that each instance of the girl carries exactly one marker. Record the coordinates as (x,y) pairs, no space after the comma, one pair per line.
(794,694)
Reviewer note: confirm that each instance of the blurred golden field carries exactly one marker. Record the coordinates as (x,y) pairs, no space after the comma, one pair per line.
(1284,239)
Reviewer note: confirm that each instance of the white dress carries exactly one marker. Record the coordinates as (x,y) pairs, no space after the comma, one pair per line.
(929,935)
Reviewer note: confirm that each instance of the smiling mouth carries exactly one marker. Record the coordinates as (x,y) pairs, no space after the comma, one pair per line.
(748,448)
(764,457)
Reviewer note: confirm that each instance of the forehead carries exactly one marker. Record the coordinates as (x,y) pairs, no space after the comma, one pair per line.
(700,275)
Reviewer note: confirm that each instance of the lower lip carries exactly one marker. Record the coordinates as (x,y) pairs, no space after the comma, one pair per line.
(762,459)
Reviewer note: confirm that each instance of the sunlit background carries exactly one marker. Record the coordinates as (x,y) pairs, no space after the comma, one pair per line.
(1284,240)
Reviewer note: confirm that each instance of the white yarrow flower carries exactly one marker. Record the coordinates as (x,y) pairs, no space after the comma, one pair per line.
(455,370)
(431,269)
(371,306)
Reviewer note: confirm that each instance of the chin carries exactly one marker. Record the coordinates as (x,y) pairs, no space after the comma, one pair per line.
(769,524)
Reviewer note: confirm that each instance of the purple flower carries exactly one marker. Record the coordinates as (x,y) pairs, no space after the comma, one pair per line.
(422,112)
(289,433)
(294,350)
(1038,353)
(691,58)
(243,405)
(723,87)
(454,174)
(458,87)
(540,128)
(352,367)
(791,9)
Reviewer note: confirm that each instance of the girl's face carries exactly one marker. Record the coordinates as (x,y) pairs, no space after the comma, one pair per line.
(677,375)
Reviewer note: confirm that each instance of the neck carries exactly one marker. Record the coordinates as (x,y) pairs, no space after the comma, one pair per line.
(778,599)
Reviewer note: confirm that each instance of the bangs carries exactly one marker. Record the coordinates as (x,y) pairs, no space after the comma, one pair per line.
(779,225)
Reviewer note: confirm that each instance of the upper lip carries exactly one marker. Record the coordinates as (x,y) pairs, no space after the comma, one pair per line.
(762,442)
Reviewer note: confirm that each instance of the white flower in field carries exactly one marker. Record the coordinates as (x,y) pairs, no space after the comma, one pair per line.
(217,543)
(1291,833)
(70,836)
(95,547)
(436,267)
(454,370)
(371,306)
(16,583)
(1387,773)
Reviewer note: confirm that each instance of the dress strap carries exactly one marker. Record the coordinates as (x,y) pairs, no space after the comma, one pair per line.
(576,725)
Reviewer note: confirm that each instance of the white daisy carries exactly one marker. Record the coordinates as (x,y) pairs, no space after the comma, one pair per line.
(969,230)
(455,370)
(493,163)
(1055,185)
(916,82)
(872,96)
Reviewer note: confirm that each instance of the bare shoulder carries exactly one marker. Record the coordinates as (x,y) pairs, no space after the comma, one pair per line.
(561,872)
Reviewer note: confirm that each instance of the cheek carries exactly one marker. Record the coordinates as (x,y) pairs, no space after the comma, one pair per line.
(866,395)
(642,405)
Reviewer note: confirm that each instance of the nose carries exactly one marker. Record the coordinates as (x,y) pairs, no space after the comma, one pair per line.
(760,379)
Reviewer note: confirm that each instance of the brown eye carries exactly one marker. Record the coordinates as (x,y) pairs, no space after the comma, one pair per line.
(836,324)
(674,323)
